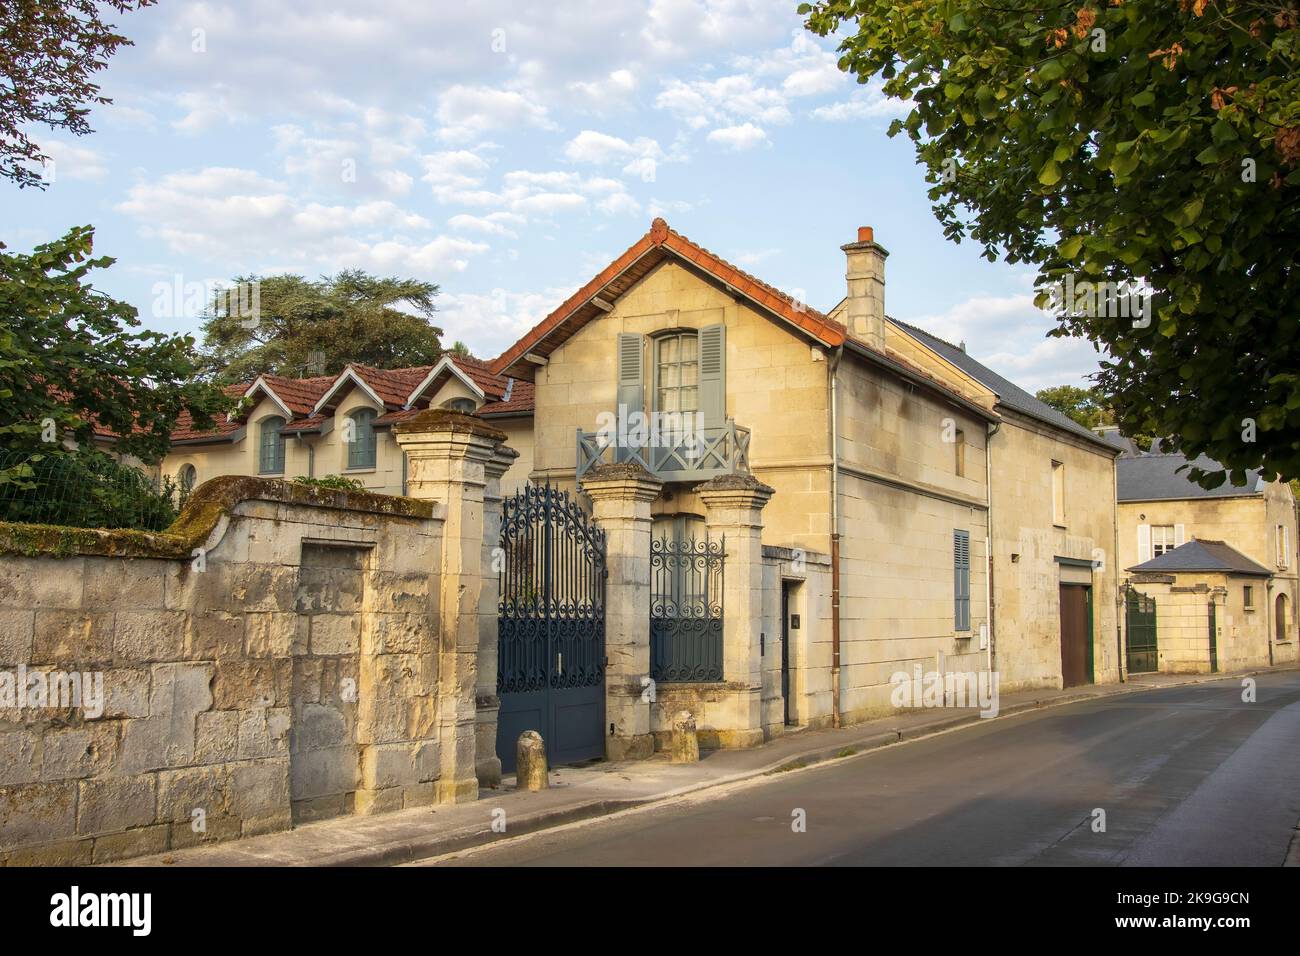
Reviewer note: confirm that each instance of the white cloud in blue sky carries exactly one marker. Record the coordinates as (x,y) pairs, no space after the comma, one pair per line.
(508,151)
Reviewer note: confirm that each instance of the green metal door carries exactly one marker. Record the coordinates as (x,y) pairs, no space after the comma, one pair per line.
(1143,653)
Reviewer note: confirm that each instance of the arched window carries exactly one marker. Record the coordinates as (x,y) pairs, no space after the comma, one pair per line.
(463,405)
(270,460)
(1280,629)
(677,373)
(361,448)
(185,479)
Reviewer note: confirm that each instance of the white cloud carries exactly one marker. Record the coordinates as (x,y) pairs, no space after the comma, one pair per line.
(496,223)
(1009,334)
(71,161)
(868,103)
(239,220)
(490,323)
(466,111)
(739,137)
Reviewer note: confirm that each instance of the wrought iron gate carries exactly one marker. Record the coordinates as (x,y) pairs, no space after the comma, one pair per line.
(1143,654)
(686,608)
(550,627)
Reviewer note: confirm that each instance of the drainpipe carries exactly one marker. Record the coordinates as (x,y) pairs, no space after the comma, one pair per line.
(993,429)
(833,368)
(1122,661)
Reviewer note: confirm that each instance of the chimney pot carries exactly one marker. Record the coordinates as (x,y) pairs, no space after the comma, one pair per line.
(866,234)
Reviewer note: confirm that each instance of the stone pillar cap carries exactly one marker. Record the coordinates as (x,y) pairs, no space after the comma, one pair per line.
(619,471)
(445,420)
(736,483)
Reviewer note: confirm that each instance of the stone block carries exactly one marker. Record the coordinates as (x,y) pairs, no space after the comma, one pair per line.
(139,841)
(181,792)
(72,637)
(322,773)
(66,853)
(370,802)
(166,738)
(118,583)
(18,757)
(76,752)
(686,745)
(37,813)
(335,634)
(126,693)
(106,804)
(27,583)
(17,627)
(270,634)
(214,635)
(260,792)
(216,738)
(216,829)
(147,637)
(245,684)
(318,727)
(264,733)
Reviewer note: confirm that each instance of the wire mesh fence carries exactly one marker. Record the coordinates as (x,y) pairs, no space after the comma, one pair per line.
(82,490)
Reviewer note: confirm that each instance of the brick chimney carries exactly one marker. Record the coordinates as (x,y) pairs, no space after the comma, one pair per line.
(864,311)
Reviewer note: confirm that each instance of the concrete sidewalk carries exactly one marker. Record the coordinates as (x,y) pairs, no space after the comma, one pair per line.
(599,789)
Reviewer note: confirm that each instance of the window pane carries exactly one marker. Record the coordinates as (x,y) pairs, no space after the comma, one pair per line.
(690,373)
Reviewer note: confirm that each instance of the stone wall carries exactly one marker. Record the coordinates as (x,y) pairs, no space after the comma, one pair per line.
(273,657)
(1183,621)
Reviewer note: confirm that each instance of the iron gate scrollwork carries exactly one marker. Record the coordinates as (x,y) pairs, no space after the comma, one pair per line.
(550,626)
(686,608)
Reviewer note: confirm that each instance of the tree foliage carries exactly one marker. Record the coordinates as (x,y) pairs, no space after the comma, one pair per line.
(48,51)
(1116,141)
(1087,406)
(69,360)
(318,327)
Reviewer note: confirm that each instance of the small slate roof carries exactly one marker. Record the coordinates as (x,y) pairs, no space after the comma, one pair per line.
(1199,555)
(1009,393)
(1157,478)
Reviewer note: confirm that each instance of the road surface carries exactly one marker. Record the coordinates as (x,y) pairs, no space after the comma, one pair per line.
(1187,775)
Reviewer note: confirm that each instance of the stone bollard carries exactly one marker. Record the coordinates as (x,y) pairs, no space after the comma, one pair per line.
(686,745)
(530,762)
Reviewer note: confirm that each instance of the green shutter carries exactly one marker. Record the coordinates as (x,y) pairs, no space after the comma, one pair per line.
(713,375)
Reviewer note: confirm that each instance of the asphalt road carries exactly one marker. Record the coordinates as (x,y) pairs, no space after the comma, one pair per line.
(1185,776)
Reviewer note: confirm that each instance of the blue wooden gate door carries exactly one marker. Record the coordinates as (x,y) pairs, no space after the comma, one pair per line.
(550,627)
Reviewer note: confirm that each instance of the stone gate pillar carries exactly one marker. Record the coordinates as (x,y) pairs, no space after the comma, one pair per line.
(487,765)
(621,496)
(450,459)
(734,506)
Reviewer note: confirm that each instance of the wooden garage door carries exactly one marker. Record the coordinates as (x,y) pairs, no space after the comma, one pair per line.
(1076,665)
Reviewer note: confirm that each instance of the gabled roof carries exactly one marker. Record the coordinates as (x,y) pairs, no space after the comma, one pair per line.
(401,391)
(662,244)
(1198,555)
(1009,393)
(1157,478)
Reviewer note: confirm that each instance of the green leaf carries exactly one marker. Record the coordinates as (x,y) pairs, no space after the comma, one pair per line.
(1050,174)
(1069,249)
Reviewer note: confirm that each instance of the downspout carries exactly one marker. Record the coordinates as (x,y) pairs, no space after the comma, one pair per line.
(993,429)
(1119,601)
(833,368)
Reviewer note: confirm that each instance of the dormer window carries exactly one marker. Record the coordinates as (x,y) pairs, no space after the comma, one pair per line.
(463,405)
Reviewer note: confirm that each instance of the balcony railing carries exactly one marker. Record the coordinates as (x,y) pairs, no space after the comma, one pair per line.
(704,454)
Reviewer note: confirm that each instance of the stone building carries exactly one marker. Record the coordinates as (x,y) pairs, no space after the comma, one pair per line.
(847,459)
(343,424)
(1169,525)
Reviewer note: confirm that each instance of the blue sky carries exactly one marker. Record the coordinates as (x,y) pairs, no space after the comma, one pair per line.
(507,151)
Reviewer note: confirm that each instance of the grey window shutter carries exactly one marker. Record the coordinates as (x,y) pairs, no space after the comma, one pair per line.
(631,372)
(961,580)
(713,375)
